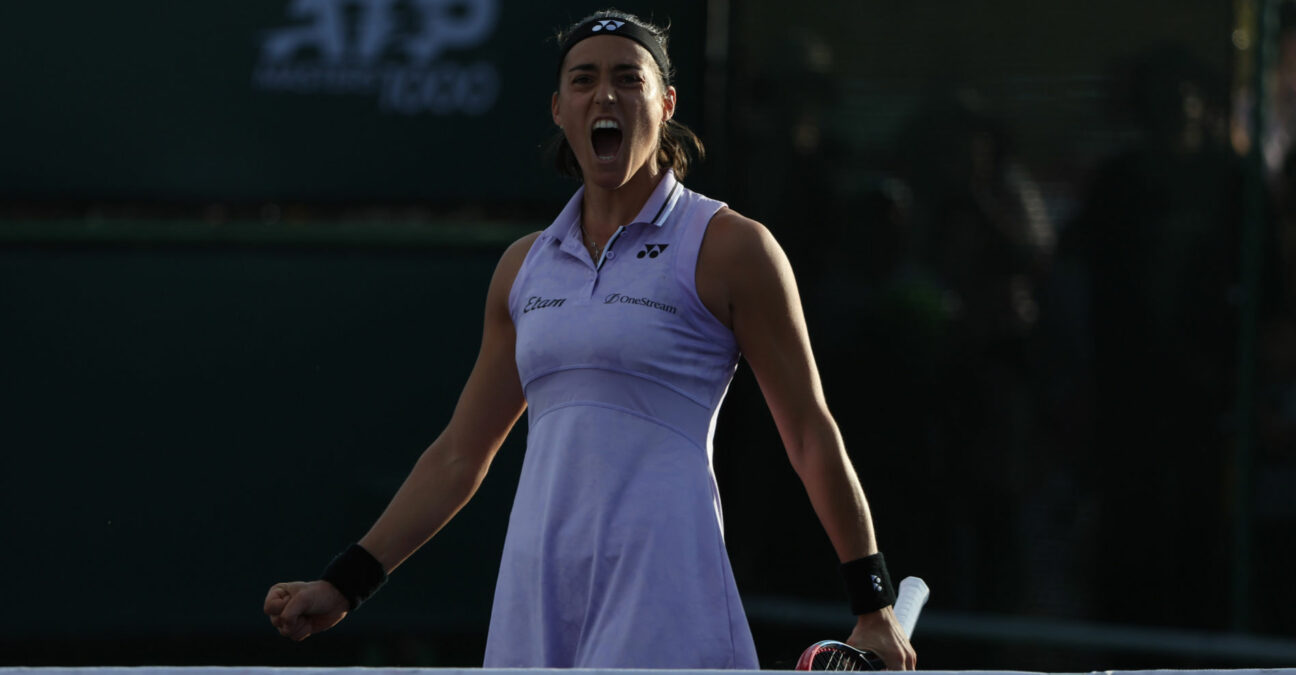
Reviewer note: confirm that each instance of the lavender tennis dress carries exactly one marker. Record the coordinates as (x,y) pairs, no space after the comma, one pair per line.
(615,556)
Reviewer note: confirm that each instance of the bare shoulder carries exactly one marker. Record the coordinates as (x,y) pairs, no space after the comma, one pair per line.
(517,251)
(509,264)
(514,255)
(737,247)
(735,250)
(731,234)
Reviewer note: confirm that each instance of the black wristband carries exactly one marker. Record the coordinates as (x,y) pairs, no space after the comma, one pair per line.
(356,573)
(868,584)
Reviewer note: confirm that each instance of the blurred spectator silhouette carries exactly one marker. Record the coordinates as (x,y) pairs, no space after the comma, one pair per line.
(800,152)
(982,234)
(875,321)
(1158,236)
(1281,124)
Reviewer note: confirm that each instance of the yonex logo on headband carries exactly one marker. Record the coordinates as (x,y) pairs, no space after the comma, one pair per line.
(625,28)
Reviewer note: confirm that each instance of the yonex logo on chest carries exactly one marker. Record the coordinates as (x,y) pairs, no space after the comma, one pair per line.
(652,250)
(537,302)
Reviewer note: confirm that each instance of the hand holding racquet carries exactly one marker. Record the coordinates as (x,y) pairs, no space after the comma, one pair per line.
(834,655)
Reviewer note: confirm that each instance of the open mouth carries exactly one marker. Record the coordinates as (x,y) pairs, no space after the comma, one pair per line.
(606,139)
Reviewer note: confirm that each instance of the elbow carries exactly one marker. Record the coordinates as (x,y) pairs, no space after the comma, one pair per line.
(816,448)
(460,460)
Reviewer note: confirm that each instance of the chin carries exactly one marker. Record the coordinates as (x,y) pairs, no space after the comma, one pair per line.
(609,176)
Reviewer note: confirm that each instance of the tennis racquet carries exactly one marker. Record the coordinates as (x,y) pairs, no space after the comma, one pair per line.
(834,655)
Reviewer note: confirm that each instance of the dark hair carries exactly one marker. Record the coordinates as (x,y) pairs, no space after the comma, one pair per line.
(678,143)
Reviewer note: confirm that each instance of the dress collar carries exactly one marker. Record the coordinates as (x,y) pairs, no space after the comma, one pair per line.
(656,211)
(661,202)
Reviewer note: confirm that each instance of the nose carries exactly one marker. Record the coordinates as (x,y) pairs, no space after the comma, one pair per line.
(606,94)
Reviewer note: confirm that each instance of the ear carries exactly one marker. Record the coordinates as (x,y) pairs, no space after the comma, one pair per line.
(553,108)
(668,104)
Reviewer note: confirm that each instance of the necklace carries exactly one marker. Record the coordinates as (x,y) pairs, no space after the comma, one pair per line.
(593,247)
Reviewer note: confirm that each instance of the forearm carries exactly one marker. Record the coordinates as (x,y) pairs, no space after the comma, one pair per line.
(819,458)
(441,482)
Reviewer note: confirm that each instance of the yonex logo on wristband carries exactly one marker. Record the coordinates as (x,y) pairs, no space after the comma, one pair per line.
(867,584)
(609,24)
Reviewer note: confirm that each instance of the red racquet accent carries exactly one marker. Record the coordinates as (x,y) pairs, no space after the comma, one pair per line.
(833,655)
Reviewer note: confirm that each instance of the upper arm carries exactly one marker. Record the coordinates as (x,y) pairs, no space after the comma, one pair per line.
(746,280)
(492,399)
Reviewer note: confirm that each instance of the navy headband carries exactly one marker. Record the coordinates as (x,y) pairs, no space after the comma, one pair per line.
(612,25)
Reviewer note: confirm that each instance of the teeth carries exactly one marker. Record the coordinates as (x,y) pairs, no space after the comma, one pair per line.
(606,124)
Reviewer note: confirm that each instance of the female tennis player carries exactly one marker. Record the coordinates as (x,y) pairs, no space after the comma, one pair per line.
(620,327)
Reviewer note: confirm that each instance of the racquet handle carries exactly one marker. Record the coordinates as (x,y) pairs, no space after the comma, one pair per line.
(910,599)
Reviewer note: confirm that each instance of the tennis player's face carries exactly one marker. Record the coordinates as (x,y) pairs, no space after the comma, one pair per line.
(611,106)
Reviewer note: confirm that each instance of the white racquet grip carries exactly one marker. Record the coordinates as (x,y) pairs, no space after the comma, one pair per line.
(910,599)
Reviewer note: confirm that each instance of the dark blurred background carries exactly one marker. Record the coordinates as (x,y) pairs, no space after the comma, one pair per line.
(1047,253)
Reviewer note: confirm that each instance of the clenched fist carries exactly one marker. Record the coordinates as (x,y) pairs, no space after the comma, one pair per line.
(300,609)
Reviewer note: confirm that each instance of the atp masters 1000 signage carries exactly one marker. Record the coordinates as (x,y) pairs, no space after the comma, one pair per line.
(297,100)
(401,53)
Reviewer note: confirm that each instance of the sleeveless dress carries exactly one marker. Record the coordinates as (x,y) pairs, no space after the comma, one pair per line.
(615,554)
